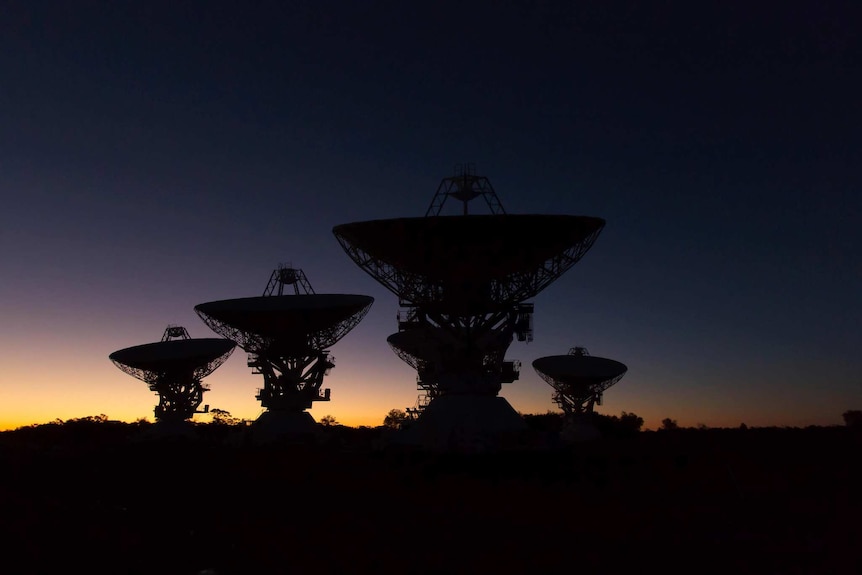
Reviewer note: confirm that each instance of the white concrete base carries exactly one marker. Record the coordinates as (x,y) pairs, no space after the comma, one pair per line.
(276,425)
(463,423)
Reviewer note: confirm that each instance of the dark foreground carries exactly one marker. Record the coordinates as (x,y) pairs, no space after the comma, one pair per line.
(721,501)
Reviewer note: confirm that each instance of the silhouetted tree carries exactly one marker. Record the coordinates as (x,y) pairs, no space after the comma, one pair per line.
(552,421)
(853,418)
(631,421)
(101,418)
(669,424)
(395,419)
(328,421)
(223,417)
(92,429)
(624,425)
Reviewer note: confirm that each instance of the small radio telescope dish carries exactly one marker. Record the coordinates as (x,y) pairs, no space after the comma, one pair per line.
(174,368)
(464,280)
(423,348)
(287,332)
(579,381)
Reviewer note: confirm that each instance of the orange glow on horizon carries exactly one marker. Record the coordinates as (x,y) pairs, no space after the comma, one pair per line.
(40,388)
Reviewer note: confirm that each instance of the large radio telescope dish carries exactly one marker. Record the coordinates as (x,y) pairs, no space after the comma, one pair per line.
(467,276)
(287,336)
(469,262)
(174,368)
(464,264)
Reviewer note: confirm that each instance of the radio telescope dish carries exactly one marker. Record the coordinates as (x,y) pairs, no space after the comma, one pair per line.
(287,336)
(419,354)
(579,380)
(463,280)
(174,368)
(468,264)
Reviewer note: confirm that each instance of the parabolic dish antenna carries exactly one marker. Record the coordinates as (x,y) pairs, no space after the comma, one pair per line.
(289,322)
(173,368)
(579,379)
(287,336)
(468,263)
(466,276)
(421,354)
(431,344)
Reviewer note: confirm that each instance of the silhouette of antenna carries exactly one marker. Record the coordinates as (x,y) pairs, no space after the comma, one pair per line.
(579,381)
(287,336)
(174,368)
(465,186)
(463,282)
(284,276)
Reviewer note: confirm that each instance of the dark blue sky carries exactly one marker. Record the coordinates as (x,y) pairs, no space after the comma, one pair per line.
(164,154)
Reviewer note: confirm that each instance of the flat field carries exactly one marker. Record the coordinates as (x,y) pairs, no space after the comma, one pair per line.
(696,501)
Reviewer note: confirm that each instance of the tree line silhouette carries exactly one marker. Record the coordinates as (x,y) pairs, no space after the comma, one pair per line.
(100,429)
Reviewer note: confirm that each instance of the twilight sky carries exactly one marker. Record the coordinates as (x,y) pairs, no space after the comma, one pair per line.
(156,155)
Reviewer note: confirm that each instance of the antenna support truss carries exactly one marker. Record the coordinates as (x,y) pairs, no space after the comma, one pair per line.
(173,332)
(465,186)
(288,276)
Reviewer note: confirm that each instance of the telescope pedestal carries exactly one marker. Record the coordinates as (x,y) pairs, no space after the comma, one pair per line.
(273,425)
(169,429)
(579,427)
(464,423)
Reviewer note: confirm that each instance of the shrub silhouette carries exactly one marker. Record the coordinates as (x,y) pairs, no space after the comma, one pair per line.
(328,421)
(395,419)
(668,424)
(853,418)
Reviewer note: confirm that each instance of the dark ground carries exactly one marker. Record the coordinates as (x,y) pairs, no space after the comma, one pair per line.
(731,501)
